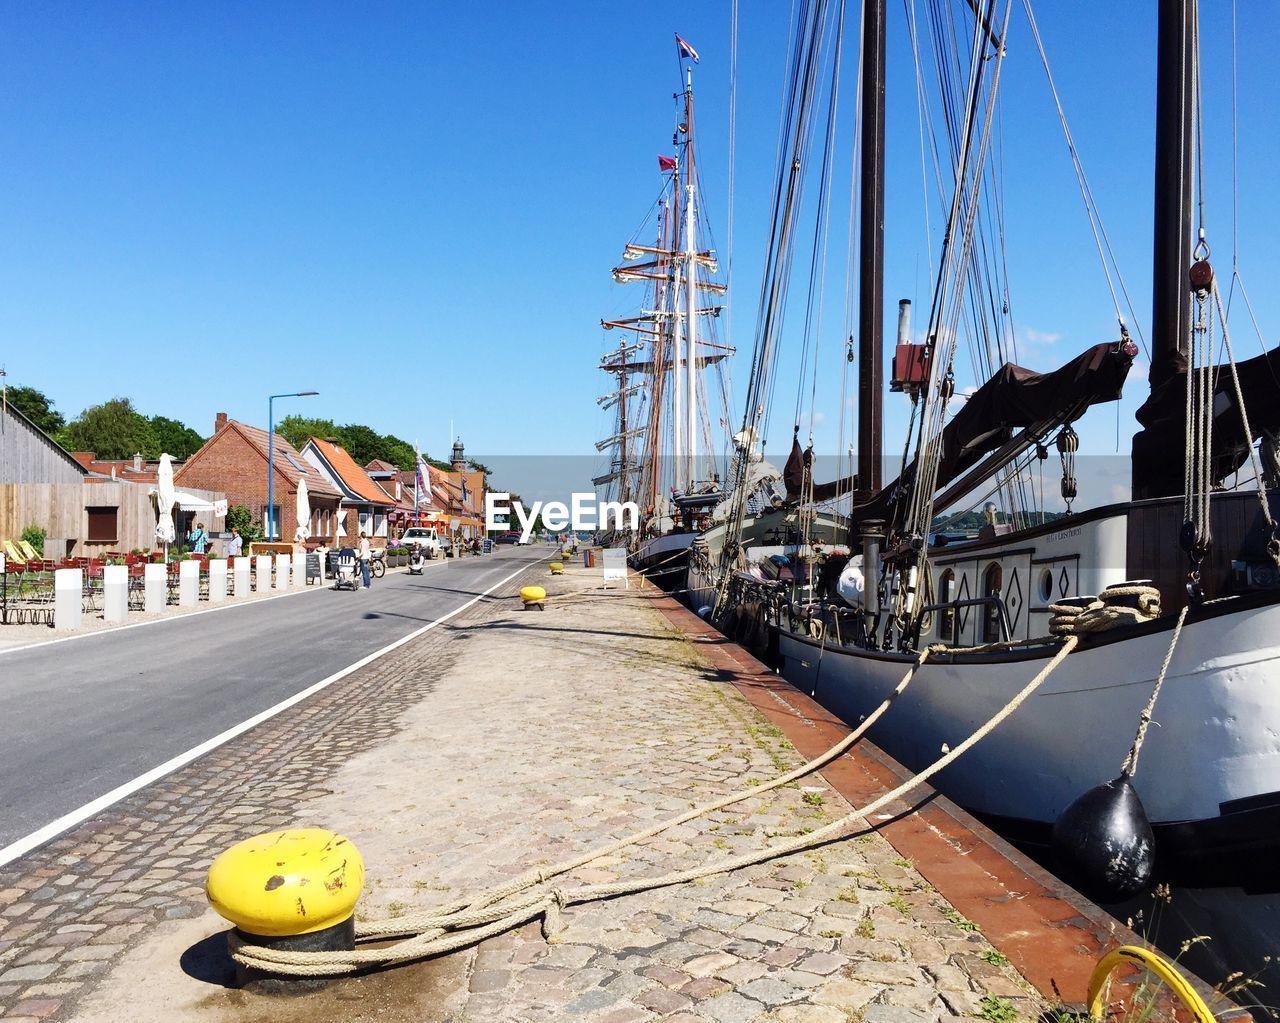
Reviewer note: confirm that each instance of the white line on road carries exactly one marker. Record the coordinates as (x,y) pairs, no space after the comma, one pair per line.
(81,814)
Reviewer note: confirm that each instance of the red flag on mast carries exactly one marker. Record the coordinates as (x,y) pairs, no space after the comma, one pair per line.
(685,49)
(667,163)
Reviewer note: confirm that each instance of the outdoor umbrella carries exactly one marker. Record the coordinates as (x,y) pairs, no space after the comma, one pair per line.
(166,497)
(304,512)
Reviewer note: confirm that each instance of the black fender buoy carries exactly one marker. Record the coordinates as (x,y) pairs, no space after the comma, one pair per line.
(1103,844)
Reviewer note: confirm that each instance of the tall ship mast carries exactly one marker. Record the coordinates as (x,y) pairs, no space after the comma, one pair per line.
(663,445)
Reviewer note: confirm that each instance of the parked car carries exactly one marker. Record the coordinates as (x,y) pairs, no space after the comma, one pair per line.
(425,537)
(511,537)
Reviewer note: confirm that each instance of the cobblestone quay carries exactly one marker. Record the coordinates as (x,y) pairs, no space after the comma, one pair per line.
(503,740)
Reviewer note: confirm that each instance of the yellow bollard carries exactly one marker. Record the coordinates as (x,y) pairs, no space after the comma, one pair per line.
(533,596)
(293,890)
(557,568)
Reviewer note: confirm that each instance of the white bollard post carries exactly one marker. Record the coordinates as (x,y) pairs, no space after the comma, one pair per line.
(188,583)
(154,580)
(115,593)
(261,572)
(68,598)
(217,580)
(242,567)
(284,564)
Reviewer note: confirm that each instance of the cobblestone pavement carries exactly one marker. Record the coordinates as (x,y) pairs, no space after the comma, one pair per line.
(510,739)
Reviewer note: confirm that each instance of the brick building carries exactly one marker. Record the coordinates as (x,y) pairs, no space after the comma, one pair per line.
(464,490)
(234,461)
(365,507)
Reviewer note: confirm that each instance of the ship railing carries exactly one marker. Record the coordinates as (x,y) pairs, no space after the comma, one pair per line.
(995,610)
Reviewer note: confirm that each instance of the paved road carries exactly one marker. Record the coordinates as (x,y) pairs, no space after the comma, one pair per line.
(79,719)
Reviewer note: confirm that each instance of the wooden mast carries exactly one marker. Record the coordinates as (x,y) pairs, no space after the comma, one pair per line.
(1171,241)
(871,257)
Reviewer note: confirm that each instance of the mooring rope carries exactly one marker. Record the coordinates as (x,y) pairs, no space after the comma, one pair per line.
(469,921)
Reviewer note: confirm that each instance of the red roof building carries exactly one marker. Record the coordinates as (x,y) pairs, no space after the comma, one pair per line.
(365,506)
(234,461)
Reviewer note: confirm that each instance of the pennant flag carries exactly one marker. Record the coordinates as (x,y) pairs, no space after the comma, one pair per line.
(667,163)
(686,50)
(420,485)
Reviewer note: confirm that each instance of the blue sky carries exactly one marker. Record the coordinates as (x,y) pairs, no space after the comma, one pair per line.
(413,208)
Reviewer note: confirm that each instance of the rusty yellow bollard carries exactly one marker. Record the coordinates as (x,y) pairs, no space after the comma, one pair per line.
(294,890)
(533,596)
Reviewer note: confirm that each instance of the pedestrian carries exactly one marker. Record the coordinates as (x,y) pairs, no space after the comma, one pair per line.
(365,554)
(198,539)
(235,546)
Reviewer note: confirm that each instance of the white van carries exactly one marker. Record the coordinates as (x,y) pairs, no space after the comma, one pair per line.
(425,537)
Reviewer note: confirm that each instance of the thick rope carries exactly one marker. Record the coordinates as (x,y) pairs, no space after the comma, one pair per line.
(477,924)
(1144,719)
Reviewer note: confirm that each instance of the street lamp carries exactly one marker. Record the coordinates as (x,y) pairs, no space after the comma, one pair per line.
(271,462)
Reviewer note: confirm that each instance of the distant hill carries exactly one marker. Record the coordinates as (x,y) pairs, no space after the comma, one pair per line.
(972,521)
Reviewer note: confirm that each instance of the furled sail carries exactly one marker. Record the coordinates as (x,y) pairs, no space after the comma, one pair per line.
(1016,398)
(1159,449)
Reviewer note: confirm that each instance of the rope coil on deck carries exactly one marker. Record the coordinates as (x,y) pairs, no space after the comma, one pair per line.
(1106,611)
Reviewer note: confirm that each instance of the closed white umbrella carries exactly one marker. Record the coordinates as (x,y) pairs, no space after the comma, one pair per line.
(166,497)
(304,512)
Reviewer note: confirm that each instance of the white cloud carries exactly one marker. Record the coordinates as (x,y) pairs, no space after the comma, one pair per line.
(1041,337)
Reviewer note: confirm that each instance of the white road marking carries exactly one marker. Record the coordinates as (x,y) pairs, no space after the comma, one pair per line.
(81,814)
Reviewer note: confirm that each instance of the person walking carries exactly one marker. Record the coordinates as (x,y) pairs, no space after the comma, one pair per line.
(364,554)
(235,546)
(198,539)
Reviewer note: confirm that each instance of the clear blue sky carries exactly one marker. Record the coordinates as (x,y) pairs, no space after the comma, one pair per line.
(413,208)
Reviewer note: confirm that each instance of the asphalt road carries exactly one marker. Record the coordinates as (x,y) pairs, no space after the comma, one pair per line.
(79,719)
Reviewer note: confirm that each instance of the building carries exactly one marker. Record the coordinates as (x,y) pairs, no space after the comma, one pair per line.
(365,507)
(234,461)
(29,455)
(464,494)
(124,470)
(84,512)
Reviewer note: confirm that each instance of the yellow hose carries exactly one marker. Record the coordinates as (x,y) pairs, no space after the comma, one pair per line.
(1149,960)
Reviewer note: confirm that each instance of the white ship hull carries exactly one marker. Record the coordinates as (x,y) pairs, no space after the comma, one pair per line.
(1212,753)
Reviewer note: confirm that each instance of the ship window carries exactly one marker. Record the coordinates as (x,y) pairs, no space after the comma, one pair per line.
(947,615)
(1046,585)
(992,580)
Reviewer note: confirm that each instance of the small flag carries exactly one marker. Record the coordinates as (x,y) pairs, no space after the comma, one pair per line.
(667,163)
(686,50)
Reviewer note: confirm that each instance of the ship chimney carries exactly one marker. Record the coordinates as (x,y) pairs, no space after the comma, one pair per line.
(904,321)
(137,461)
(219,421)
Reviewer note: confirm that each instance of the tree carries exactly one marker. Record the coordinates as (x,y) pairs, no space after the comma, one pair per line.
(173,437)
(241,518)
(114,429)
(297,430)
(37,407)
(479,467)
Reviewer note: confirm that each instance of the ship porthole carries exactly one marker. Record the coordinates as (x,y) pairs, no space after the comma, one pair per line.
(1046,585)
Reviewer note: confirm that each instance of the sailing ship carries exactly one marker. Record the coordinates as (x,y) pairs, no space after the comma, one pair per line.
(880,590)
(662,447)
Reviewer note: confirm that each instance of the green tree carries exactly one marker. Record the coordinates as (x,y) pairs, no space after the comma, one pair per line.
(363,443)
(37,407)
(114,429)
(297,430)
(479,467)
(173,437)
(241,518)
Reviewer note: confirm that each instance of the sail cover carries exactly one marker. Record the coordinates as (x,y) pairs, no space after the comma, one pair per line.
(1159,450)
(1016,398)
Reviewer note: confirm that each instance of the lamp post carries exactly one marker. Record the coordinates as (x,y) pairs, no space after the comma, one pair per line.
(271,461)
